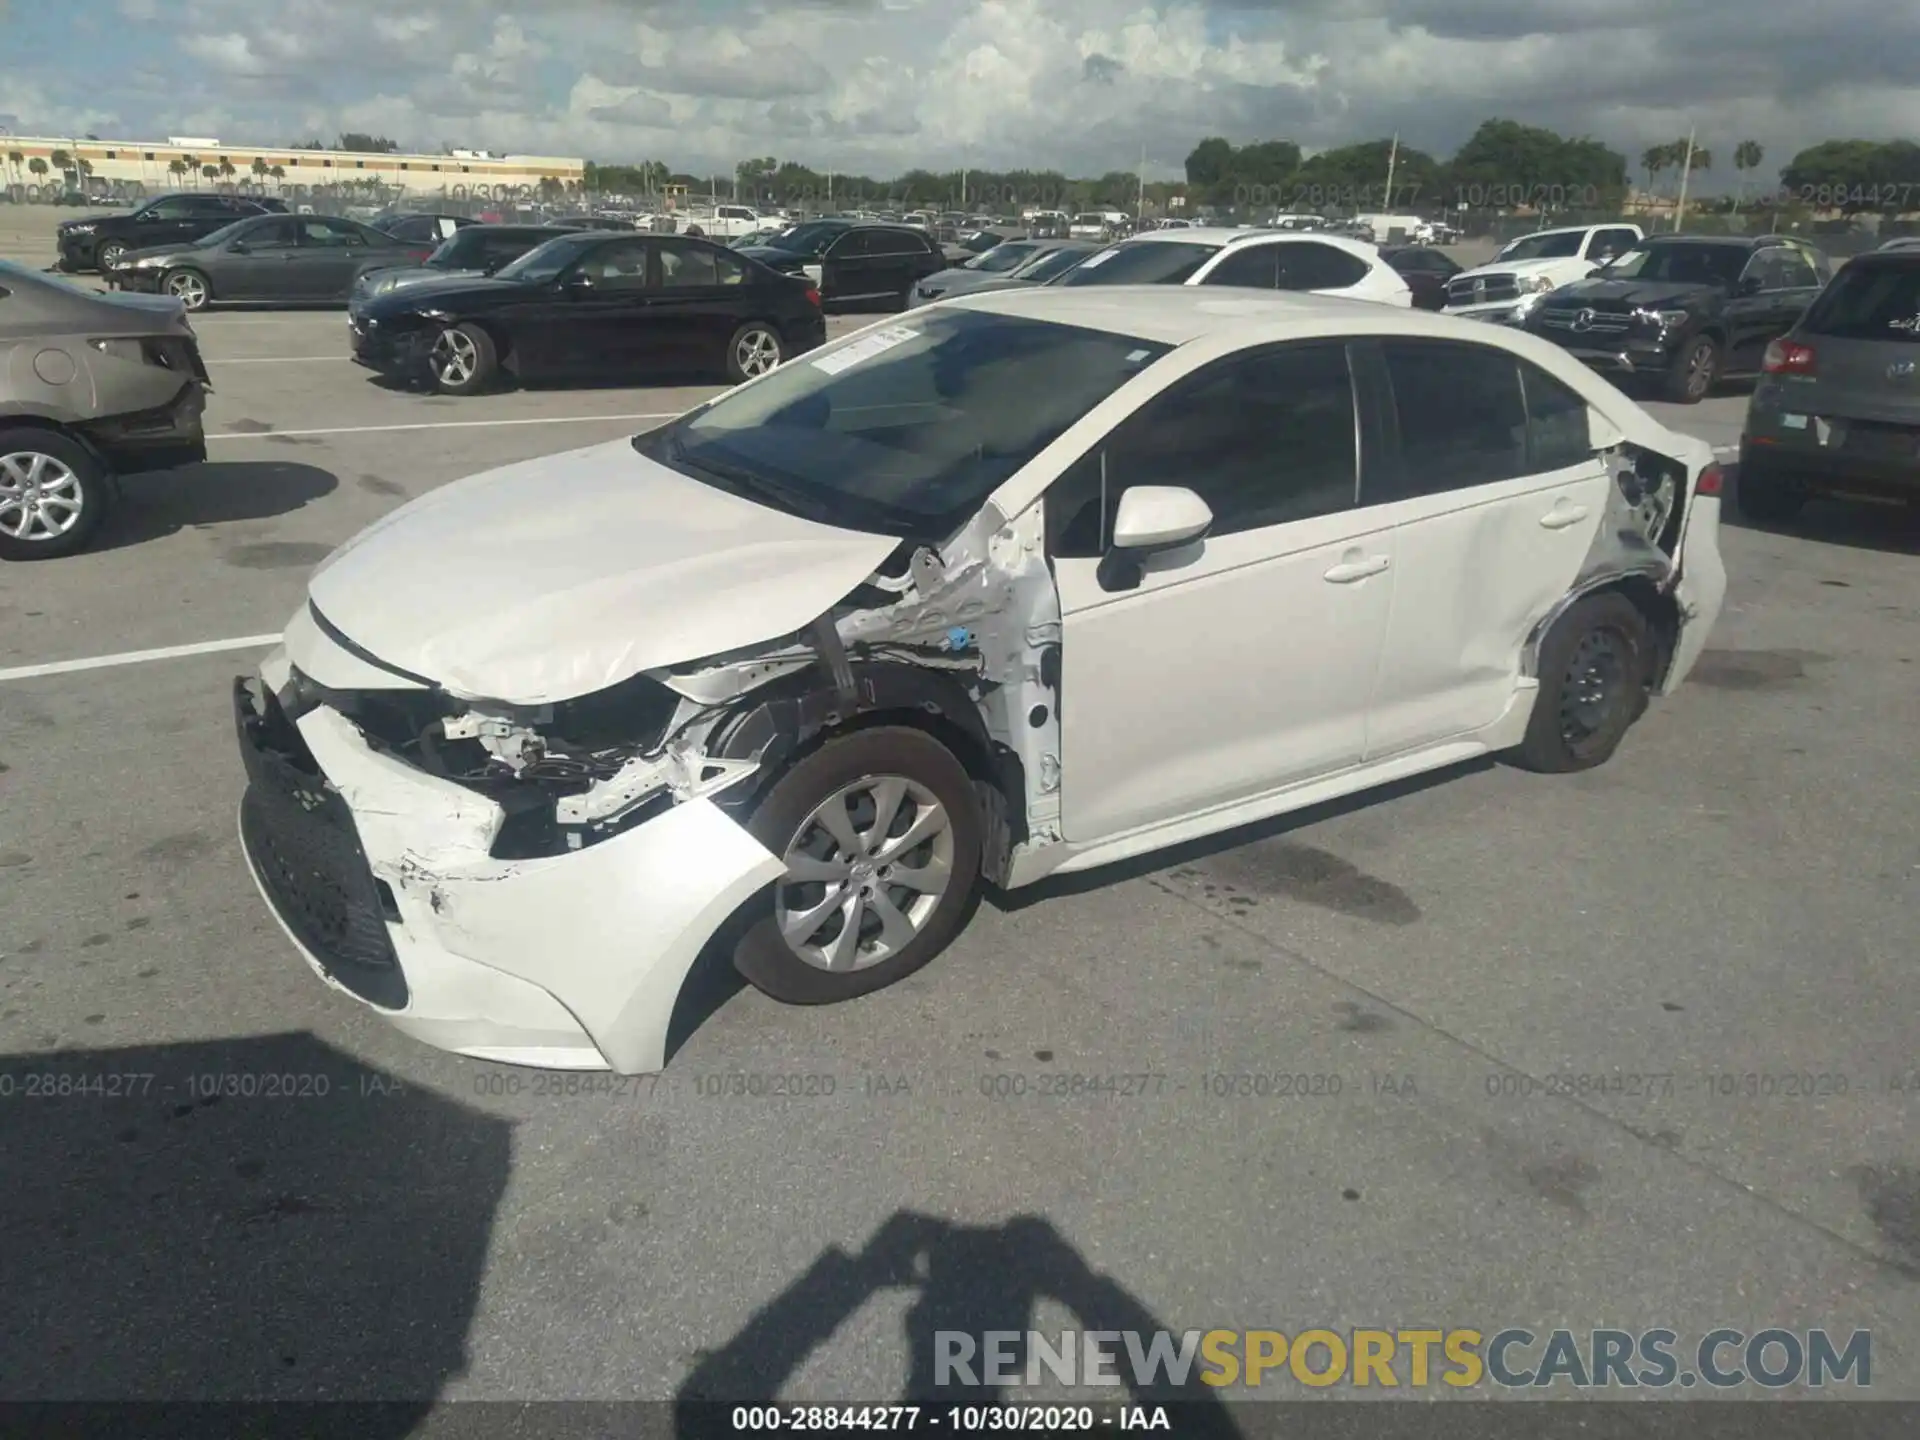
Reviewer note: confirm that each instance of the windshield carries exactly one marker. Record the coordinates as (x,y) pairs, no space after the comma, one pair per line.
(809,239)
(1683,264)
(1562,246)
(1869,302)
(1007,256)
(1145,262)
(904,430)
(1051,265)
(547,262)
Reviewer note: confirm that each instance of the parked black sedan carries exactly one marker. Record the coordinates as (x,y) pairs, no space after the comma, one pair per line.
(856,265)
(593,305)
(98,241)
(477,250)
(301,258)
(1425,270)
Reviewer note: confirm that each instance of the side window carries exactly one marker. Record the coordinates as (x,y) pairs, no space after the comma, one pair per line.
(1796,272)
(1265,439)
(1305,265)
(497,250)
(687,266)
(1253,268)
(1611,244)
(171,209)
(1557,434)
(1462,419)
(331,234)
(619,267)
(273,235)
(850,245)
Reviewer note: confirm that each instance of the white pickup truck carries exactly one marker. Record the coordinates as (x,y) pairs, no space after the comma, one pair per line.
(1509,285)
(727,222)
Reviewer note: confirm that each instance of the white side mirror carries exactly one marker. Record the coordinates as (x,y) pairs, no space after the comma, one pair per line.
(1159,517)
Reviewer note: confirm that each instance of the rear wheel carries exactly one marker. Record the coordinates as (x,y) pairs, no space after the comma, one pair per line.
(109,255)
(880,831)
(1593,671)
(463,360)
(54,493)
(190,288)
(754,349)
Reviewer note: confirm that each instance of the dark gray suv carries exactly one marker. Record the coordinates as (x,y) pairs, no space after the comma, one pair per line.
(1837,411)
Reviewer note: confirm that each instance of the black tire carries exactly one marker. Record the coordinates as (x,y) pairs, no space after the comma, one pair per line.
(195,297)
(1765,496)
(476,347)
(755,334)
(92,483)
(1604,633)
(109,251)
(780,820)
(1692,371)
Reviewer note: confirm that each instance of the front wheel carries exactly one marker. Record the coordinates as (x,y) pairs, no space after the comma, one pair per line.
(754,349)
(190,288)
(109,256)
(1593,671)
(880,831)
(54,493)
(463,360)
(1692,371)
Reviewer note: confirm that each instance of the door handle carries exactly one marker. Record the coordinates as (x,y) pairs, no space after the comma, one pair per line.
(1561,516)
(1348,571)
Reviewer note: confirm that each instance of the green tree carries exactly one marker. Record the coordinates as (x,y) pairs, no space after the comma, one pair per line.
(36,167)
(362,144)
(1355,176)
(1210,164)
(177,168)
(63,163)
(16,159)
(211,172)
(226,168)
(190,164)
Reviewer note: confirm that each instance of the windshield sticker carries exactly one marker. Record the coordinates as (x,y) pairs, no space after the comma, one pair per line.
(1912,322)
(1134,357)
(865,348)
(1099,257)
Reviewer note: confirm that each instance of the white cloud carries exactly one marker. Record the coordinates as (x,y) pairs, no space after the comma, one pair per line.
(1080,85)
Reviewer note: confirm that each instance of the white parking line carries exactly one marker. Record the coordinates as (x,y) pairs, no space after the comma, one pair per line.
(279,359)
(449,425)
(139,657)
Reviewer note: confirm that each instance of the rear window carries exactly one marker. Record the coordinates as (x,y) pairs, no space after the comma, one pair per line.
(1144,262)
(1869,302)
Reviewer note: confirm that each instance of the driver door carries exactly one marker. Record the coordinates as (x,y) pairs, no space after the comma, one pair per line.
(260,270)
(1242,663)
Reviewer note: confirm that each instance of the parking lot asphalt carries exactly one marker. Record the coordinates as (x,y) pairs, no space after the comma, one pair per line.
(1552,1030)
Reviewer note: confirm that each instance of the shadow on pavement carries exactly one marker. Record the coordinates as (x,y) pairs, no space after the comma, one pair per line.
(215,493)
(263,1219)
(1893,529)
(967,1279)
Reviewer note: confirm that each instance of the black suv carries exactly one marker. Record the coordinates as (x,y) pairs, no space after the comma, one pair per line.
(94,242)
(1686,310)
(855,265)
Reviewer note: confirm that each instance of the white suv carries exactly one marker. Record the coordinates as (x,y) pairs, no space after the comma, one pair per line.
(1252,259)
(1020,585)
(1506,288)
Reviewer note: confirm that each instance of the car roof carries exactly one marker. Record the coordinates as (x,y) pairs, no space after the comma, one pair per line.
(1744,242)
(1222,236)
(1176,314)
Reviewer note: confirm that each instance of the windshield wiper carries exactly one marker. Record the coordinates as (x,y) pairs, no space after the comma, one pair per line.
(746,483)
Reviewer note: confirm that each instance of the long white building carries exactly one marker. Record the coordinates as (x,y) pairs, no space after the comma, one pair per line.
(129,168)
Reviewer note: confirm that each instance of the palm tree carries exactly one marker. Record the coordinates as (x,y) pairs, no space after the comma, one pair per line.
(62,161)
(226,168)
(279,173)
(176,168)
(1653,160)
(212,172)
(192,164)
(259,168)
(15,159)
(36,167)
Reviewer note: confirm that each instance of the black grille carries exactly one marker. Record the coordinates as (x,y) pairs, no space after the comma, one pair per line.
(301,839)
(1597,322)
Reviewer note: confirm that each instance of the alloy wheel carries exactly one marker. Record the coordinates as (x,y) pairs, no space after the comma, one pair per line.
(866,870)
(455,357)
(1700,371)
(189,289)
(40,498)
(110,255)
(1595,684)
(757,352)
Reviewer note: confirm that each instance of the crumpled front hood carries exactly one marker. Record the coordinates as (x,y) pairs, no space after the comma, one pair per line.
(558,577)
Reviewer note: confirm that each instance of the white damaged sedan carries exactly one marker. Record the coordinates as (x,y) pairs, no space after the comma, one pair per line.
(1027,583)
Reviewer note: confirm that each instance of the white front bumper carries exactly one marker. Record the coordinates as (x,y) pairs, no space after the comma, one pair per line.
(567,962)
(1500,312)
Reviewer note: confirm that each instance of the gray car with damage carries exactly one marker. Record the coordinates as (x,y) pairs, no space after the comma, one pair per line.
(91,386)
(1024,262)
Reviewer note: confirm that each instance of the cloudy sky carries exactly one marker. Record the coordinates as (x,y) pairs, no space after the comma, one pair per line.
(877,86)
